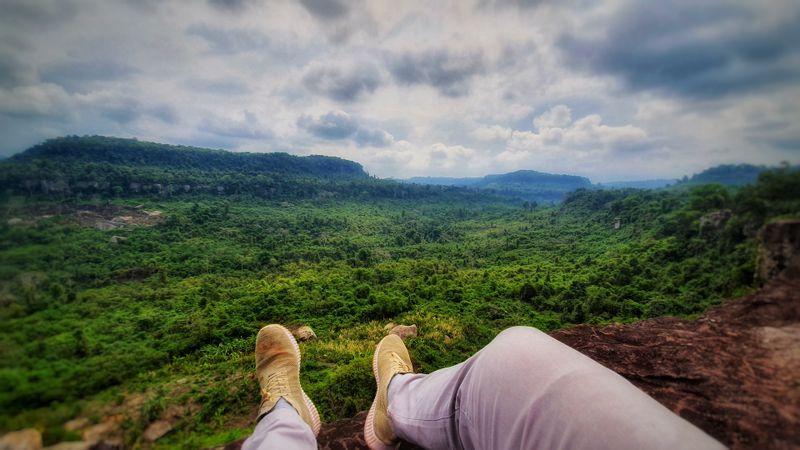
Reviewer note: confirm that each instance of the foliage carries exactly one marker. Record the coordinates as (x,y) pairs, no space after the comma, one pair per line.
(83,317)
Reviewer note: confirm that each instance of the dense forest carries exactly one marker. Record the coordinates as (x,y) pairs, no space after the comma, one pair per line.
(110,291)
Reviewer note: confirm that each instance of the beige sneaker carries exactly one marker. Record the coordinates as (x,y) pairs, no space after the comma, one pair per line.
(391,358)
(278,373)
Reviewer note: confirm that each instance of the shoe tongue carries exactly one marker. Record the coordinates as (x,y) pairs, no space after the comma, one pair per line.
(398,364)
(276,384)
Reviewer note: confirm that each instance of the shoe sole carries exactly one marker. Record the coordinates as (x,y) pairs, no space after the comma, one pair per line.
(316,423)
(369,425)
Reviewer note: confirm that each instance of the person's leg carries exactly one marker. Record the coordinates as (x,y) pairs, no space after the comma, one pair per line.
(282,428)
(288,419)
(527,390)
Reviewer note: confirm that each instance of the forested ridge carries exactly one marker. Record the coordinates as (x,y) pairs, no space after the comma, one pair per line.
(110,295)
(132,152)
(82,167)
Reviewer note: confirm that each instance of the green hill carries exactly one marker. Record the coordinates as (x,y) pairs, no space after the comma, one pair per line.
(727,175)
(132,152)
(113,167)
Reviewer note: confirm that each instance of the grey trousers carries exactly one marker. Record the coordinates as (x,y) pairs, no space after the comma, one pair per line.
(523,390)
(281,429)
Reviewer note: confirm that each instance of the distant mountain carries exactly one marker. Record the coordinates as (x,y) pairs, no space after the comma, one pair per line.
(527,185)
(728,174)
(639,184)
(444,181)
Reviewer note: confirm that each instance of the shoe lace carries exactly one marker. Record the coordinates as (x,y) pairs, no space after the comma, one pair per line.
(397,364)
(275,386)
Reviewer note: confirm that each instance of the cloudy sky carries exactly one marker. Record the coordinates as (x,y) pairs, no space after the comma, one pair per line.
(611,89)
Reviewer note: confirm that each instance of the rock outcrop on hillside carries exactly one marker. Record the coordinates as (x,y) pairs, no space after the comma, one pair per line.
(779,248)
(734,372)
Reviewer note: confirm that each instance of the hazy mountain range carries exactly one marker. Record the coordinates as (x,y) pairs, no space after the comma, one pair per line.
(88,163)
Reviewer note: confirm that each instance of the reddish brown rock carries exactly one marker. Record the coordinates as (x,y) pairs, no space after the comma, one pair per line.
(76,445)
(113,443)
(77,424)
(108,428)
(156,430)
(404,331)
(28,439)
(303,333)
(733,372)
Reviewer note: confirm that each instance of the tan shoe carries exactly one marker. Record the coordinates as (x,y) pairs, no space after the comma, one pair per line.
(278,373)
(391,358)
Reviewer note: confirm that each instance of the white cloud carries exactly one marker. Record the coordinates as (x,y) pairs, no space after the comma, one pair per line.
(449,157)
(557,117)
(442,88)
(492,133)
(246,127)
(562,144)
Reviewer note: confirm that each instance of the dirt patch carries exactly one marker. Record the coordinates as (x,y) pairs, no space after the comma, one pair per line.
(111,427)
(114,217)
(105,217)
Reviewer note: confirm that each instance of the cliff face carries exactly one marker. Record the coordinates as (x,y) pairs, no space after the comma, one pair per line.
(734,372)
(779,248)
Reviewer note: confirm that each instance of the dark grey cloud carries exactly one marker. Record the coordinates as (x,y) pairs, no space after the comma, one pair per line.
(164,113)
(230,5)
(695,49)
(338,125)
(332,125)
(506,3)
(14,71)
(120,110)
(74,75)
(786,143)
(326,9)
(343,85)
(43,12)
(373,138)
(229,41)
(147,6)
(219,86)
(124,110)
(449,73)
(247,128)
